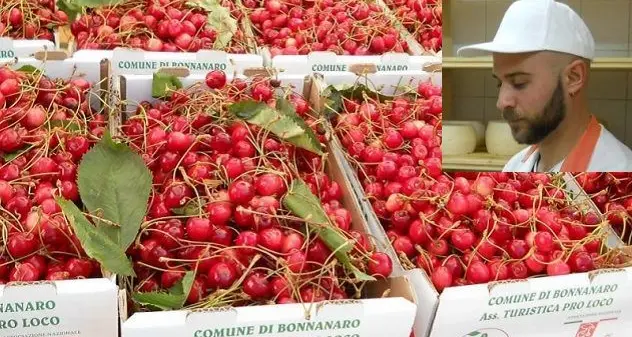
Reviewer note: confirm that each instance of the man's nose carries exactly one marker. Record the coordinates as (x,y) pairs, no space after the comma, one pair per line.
(505,99)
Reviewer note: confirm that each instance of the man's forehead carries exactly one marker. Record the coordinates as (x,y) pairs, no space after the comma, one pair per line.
(512,65)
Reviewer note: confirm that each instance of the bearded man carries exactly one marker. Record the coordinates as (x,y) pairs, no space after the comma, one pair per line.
(542,53)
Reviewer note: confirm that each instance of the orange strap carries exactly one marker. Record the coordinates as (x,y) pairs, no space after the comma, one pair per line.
(579,157)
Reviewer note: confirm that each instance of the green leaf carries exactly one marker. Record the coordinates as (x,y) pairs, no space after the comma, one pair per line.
(191,208)
(67,125)
(173,300)
(10,156)
(115,184)
(29,69)
(220,19)
(303,203)
(336,93)
(74,7)
(474,333)
(284,123)
(163,83)
(97,245)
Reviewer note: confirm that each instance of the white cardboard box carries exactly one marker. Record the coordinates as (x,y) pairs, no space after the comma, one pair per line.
(138,62)
(595,304)
(466,310)
(10,48)
(330,62)
(71,308)
(366,318)
(375,317)
(57,64)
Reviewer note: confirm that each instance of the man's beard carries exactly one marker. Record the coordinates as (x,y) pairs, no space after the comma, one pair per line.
(533,130)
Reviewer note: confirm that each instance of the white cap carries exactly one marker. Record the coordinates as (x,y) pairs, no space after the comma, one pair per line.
(538,25)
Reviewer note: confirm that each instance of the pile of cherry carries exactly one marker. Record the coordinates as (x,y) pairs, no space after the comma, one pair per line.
(216,206)
(155,25)
(394,139)
(423,18)
(30,19)
(346,27)
(474,228)
(612,194)
(39,159)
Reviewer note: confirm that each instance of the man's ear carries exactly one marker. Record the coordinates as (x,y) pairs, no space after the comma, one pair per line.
(576,76)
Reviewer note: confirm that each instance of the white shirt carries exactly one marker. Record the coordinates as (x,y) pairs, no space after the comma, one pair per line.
(610,155)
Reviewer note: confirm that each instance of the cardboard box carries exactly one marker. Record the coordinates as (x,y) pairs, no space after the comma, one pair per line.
(322,62)
(130,67)
(584,304)
(374,316)
(72,308)
(286,61)
(370,317)
(11,48)
(138,62)
(592,304)
(388,83)
(57,64)
(86,307)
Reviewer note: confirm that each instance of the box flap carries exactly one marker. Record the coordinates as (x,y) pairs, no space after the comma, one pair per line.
(10,48)
(137,62)
(370,318)
(562,304)
(330,62)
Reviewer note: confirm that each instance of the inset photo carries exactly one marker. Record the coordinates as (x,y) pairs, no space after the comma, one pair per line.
(537,86)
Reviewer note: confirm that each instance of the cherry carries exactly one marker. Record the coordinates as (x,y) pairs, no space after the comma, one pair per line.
(179,142)
(21,244)
(247,239)
(170,234)
(234,168)
(169,278)
(241,192)
(463,239)
(149,285)
(219,212)
(518,249)
(543,242)
(380,265)
(77,146)
(536,263)
(198,229)
(24,272)
(45,168)
(498,271)
(256,286)
(77,267)
(215,79)
(271,238)
(69,190)
(478,272)
(518,270)
(221,235)
(292,241)
(441,278)
(197,291)
(38,261)
(222,275)
(260,92)
(581,262)
(176,194)
(558,268)
(269,184)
